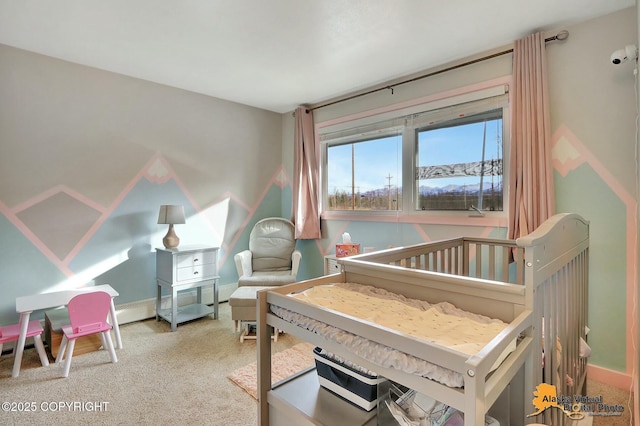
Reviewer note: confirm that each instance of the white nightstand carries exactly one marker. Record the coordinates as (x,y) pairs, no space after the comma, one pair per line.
(185,268)
(331,265)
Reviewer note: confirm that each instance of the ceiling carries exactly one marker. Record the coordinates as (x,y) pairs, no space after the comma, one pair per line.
(278,54)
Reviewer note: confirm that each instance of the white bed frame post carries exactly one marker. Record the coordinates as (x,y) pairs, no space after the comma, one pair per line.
(533,365)
(474,399)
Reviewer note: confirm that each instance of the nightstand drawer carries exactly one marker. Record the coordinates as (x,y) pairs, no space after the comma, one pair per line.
(196,272)
(332,266)
(195,259)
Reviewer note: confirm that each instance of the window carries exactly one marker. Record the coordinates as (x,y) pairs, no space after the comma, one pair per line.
(444,156)
(365,175)
(459,164)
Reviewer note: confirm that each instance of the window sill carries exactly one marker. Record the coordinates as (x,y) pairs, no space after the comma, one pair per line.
(461,218)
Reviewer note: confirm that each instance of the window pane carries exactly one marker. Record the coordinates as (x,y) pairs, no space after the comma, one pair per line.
(459,164)
(365,175)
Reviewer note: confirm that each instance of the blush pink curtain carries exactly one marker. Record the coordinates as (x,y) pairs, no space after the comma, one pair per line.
(531,192)
(306,216)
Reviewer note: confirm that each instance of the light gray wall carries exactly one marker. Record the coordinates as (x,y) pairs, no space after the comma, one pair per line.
(64,123)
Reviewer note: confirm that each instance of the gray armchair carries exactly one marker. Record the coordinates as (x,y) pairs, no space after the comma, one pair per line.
(272,260)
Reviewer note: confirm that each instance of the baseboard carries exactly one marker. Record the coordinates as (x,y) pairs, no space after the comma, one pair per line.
(609,377)
(145,309)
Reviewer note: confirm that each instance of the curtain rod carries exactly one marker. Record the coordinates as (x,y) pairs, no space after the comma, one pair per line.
(562,35)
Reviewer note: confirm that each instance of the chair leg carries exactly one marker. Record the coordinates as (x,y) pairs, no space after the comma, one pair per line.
(245,332)
(61,349)
(67,363)
(106,337)
(40,348)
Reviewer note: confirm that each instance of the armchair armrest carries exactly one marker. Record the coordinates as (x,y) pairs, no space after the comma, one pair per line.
(296,256)
(243,263)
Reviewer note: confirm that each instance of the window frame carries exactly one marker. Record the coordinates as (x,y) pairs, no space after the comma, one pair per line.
(385,118)
(389,133)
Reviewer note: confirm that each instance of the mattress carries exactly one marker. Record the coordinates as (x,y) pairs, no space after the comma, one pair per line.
(441,323)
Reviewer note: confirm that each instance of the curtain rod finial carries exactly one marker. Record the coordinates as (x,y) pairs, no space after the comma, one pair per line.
(562,35)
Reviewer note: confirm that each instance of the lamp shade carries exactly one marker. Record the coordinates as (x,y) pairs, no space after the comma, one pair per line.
(171,214)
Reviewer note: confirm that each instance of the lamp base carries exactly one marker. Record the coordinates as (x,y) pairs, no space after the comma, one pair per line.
(171,240)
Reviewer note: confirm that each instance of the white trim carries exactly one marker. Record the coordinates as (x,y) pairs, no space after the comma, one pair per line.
(617,379)
(432,105)
(145,309)
(409,116)
(505,80)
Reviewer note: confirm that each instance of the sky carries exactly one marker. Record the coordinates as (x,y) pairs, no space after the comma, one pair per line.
(374,162)
(378,159)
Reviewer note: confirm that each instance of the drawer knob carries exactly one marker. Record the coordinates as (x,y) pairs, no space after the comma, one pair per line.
(196,260)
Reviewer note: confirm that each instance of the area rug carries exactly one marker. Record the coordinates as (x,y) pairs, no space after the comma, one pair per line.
(283,365)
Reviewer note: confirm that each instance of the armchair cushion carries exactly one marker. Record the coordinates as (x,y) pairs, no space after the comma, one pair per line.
(275,278)
(271,243)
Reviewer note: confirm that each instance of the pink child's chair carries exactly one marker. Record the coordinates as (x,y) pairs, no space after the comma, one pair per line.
(10,333)
(88,315)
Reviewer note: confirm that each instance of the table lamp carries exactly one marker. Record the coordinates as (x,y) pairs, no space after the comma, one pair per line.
(171,214)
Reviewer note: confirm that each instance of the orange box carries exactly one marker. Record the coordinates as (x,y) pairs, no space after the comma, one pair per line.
(343,250)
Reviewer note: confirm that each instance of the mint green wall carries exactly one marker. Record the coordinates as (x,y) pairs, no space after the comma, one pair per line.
(607,274)
(23,267)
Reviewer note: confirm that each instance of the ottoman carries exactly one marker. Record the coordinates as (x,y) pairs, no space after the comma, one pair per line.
(243,310)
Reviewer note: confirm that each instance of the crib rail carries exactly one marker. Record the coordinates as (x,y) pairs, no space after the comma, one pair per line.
(564,301)
(486,258)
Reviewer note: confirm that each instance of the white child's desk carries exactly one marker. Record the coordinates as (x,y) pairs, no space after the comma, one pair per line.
(27,304)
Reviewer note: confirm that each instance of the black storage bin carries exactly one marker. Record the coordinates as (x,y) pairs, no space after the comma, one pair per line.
(354,386)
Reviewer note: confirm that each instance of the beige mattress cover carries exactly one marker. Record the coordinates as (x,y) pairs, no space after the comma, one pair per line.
(455,330)
(441,323)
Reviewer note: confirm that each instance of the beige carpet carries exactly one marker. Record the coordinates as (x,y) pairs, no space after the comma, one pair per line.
(161,378)
(283,365)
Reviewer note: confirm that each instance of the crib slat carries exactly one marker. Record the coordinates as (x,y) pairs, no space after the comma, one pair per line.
(519,265)
(465,258)
(449,262)
(492,262)
(505,264)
